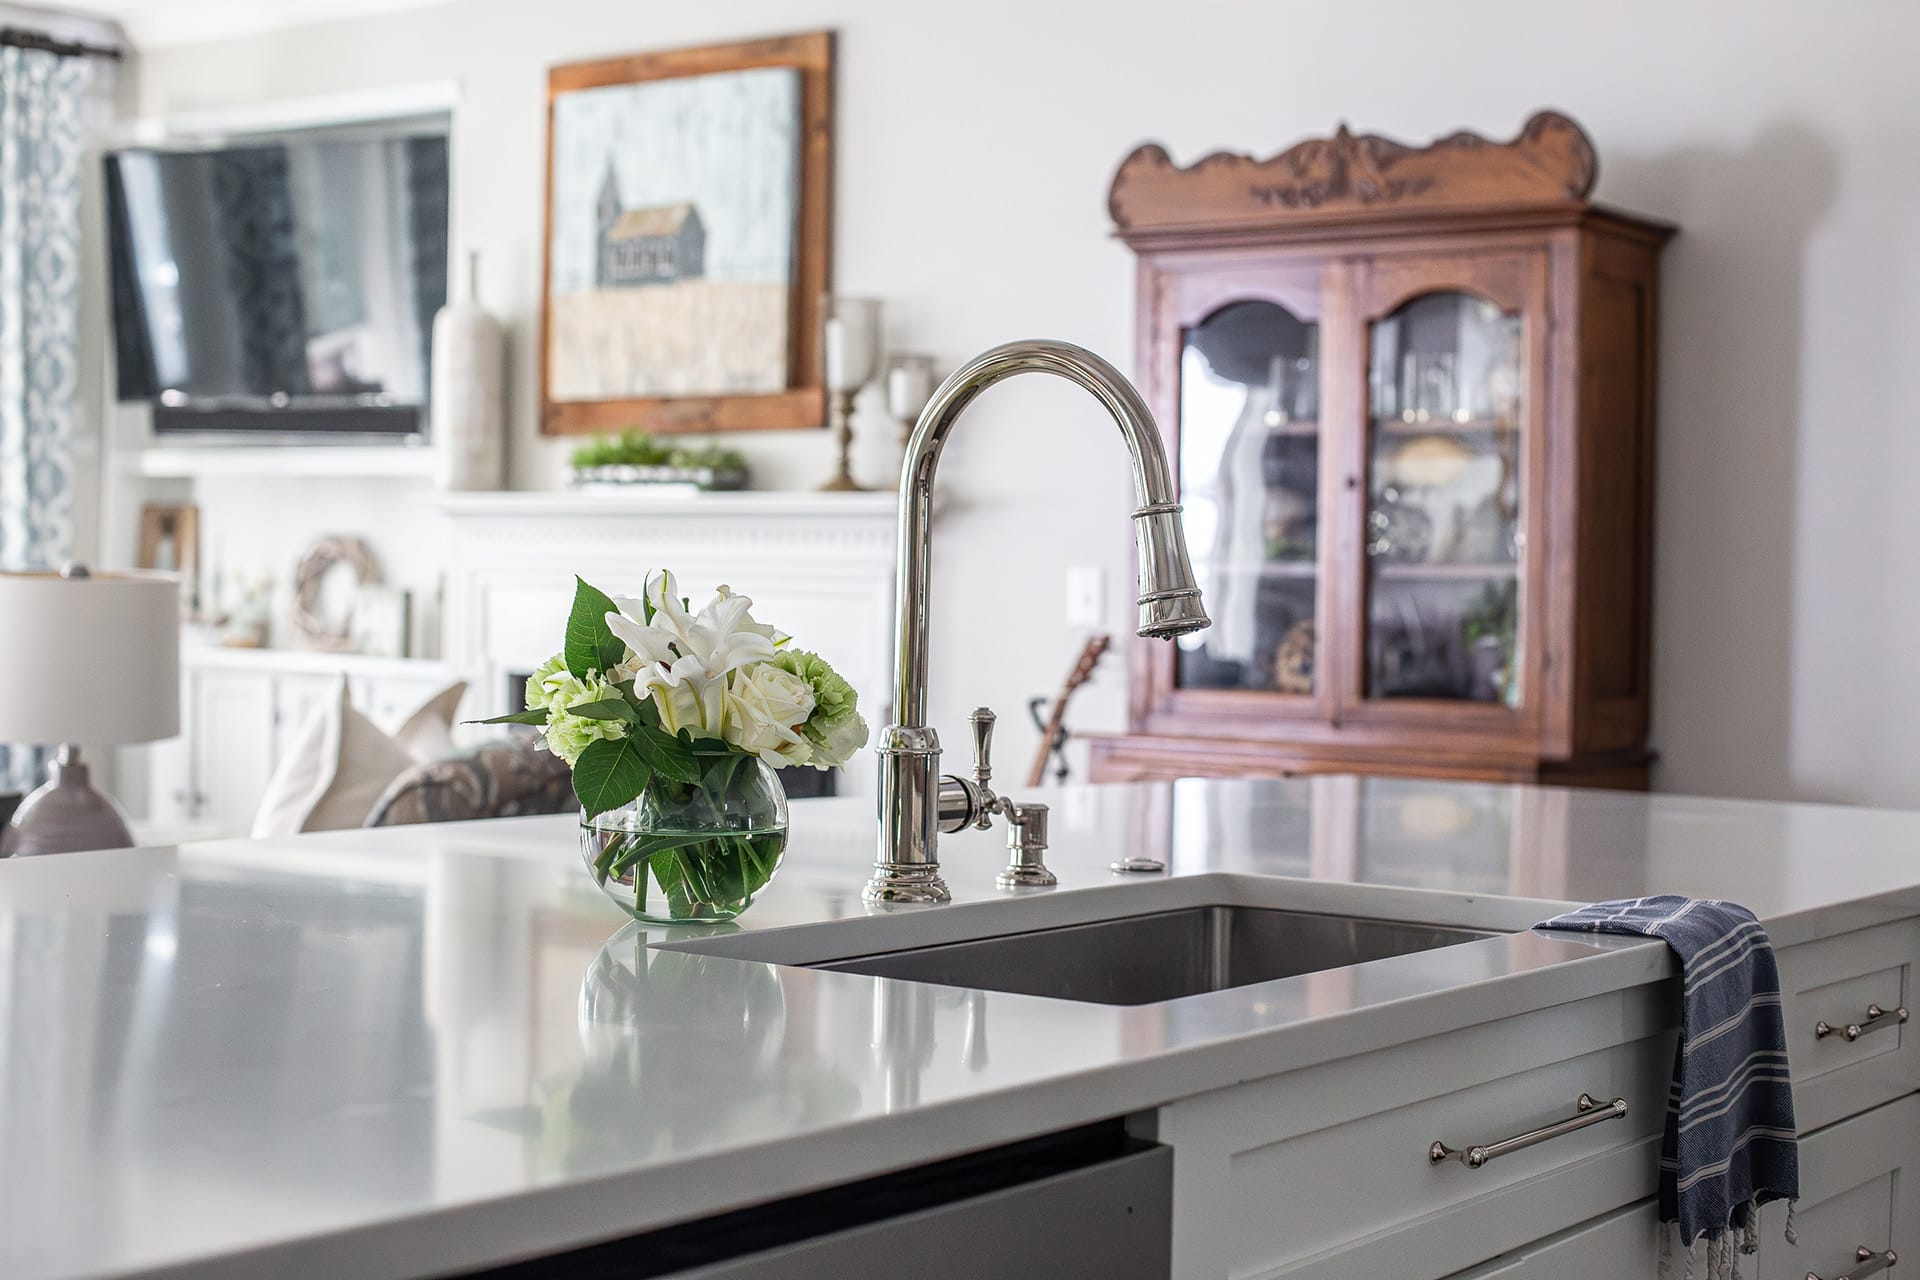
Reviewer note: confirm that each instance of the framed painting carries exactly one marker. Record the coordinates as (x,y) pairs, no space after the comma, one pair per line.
(688,209)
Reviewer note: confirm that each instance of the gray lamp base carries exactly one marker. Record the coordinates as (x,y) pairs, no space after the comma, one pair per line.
(65,816)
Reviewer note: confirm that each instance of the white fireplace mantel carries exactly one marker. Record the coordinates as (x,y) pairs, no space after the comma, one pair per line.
(817,565)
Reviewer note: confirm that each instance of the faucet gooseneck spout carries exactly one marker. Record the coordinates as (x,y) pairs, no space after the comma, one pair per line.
(916,804)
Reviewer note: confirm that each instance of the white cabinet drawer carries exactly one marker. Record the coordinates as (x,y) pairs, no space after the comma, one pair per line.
(1325,1172)
(1835,980)
(1622,1245)
(1859,1189)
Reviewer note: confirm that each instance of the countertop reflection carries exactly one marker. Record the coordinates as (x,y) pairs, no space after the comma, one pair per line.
(409,1051)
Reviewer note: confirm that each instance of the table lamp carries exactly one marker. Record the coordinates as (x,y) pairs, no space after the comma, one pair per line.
(84,658)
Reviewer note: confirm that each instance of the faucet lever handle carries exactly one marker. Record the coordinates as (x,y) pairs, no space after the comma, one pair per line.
(982,722)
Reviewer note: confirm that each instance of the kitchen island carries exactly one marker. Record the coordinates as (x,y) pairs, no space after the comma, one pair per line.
(436,1050)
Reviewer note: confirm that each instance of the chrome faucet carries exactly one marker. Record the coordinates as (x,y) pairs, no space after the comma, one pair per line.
(916,803)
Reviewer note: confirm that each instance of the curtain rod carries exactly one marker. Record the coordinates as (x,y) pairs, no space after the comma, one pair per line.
(21,38)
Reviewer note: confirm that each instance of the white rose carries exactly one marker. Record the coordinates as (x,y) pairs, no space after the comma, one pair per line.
(765,709)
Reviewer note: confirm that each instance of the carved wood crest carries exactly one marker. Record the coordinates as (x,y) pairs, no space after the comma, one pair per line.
(1550,162)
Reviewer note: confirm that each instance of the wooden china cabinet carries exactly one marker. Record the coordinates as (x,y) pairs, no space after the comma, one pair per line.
(1409,392)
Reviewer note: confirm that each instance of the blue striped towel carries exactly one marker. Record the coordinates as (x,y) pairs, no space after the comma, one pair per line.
(1729,1145)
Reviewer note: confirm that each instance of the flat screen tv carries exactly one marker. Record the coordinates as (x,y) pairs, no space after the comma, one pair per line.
(279,288)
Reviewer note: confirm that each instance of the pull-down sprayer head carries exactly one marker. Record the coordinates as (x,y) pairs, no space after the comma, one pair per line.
(1169,599)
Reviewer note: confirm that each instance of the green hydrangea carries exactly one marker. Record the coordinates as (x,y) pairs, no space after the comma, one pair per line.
(539,694)
(553,688)
(835,728)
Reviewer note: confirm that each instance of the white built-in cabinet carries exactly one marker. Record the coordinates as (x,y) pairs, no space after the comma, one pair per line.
(1324,1173)
(241,712)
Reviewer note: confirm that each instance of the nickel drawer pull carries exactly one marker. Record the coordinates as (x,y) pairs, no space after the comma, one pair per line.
(1877,1019)
(1868,1263)
(1592,1112)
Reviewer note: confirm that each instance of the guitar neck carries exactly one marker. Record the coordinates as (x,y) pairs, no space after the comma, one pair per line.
(1056,717)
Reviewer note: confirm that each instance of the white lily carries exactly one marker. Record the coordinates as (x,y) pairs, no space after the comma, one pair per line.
(644,643)
(723,635)
(686,695)
(726,637)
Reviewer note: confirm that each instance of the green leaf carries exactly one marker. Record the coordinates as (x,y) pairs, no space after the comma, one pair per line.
(670,874)
(704,746)
(720,771)
(614,857)
(537,715)
(608,774)
(646,606)
(646,847)
(591,645)
(664,754)
(605,709)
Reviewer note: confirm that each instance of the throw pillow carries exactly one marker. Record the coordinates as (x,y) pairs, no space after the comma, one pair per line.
(339,764)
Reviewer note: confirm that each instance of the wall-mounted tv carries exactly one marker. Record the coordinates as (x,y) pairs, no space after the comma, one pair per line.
(282,288)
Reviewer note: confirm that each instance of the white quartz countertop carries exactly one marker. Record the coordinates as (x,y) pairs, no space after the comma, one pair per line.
(422,1050)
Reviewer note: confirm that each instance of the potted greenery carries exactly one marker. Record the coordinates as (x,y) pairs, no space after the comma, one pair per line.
(634,457)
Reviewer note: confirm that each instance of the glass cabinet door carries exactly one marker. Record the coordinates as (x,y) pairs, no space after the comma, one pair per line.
(1445,531)
(1249,461)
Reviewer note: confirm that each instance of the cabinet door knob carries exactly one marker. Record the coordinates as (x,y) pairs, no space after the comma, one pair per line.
(1877,1019)
(1590,1111)
(1867,1262)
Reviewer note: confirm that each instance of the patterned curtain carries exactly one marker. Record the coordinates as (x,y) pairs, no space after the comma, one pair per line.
(42,145)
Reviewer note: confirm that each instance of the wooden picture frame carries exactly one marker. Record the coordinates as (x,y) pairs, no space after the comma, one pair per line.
(802,401)
(170,539)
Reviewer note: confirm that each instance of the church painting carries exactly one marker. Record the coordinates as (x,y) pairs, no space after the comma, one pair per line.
(675,206)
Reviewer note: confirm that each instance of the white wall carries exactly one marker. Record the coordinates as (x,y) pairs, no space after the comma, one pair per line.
(975,142)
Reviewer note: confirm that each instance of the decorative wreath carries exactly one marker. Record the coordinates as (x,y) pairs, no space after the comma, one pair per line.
(309,582)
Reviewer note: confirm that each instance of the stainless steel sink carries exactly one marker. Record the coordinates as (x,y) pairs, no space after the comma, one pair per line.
(1145,959)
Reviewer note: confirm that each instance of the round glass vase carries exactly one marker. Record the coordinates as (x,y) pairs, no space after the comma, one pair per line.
(691,852)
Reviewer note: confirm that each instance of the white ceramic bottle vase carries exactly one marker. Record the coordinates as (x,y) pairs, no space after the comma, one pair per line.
(469,392)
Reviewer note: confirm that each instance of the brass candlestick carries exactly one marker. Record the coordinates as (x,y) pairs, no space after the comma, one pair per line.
(840,410)
(849,351)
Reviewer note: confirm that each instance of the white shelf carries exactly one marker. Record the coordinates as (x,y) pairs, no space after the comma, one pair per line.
(277,460)
(649,500)
(204,656)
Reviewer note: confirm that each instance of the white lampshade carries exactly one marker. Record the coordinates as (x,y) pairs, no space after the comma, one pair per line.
(89,659)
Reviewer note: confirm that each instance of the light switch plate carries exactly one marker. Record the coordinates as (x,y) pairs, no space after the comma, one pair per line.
(1087,597)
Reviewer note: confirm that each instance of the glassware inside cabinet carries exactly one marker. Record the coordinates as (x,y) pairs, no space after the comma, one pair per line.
(1445,529)
(1249,460)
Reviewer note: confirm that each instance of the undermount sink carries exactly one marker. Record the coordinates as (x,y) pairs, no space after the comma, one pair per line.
(1165,955)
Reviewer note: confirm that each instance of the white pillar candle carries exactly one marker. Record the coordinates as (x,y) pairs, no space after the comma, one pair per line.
(851,338)
(835,340)
(909,387)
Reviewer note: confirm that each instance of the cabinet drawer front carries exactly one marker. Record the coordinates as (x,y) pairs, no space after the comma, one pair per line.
(1835,980)
(1327,1171)
(1623,1245)
(1298,1197)
(1859,1188)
